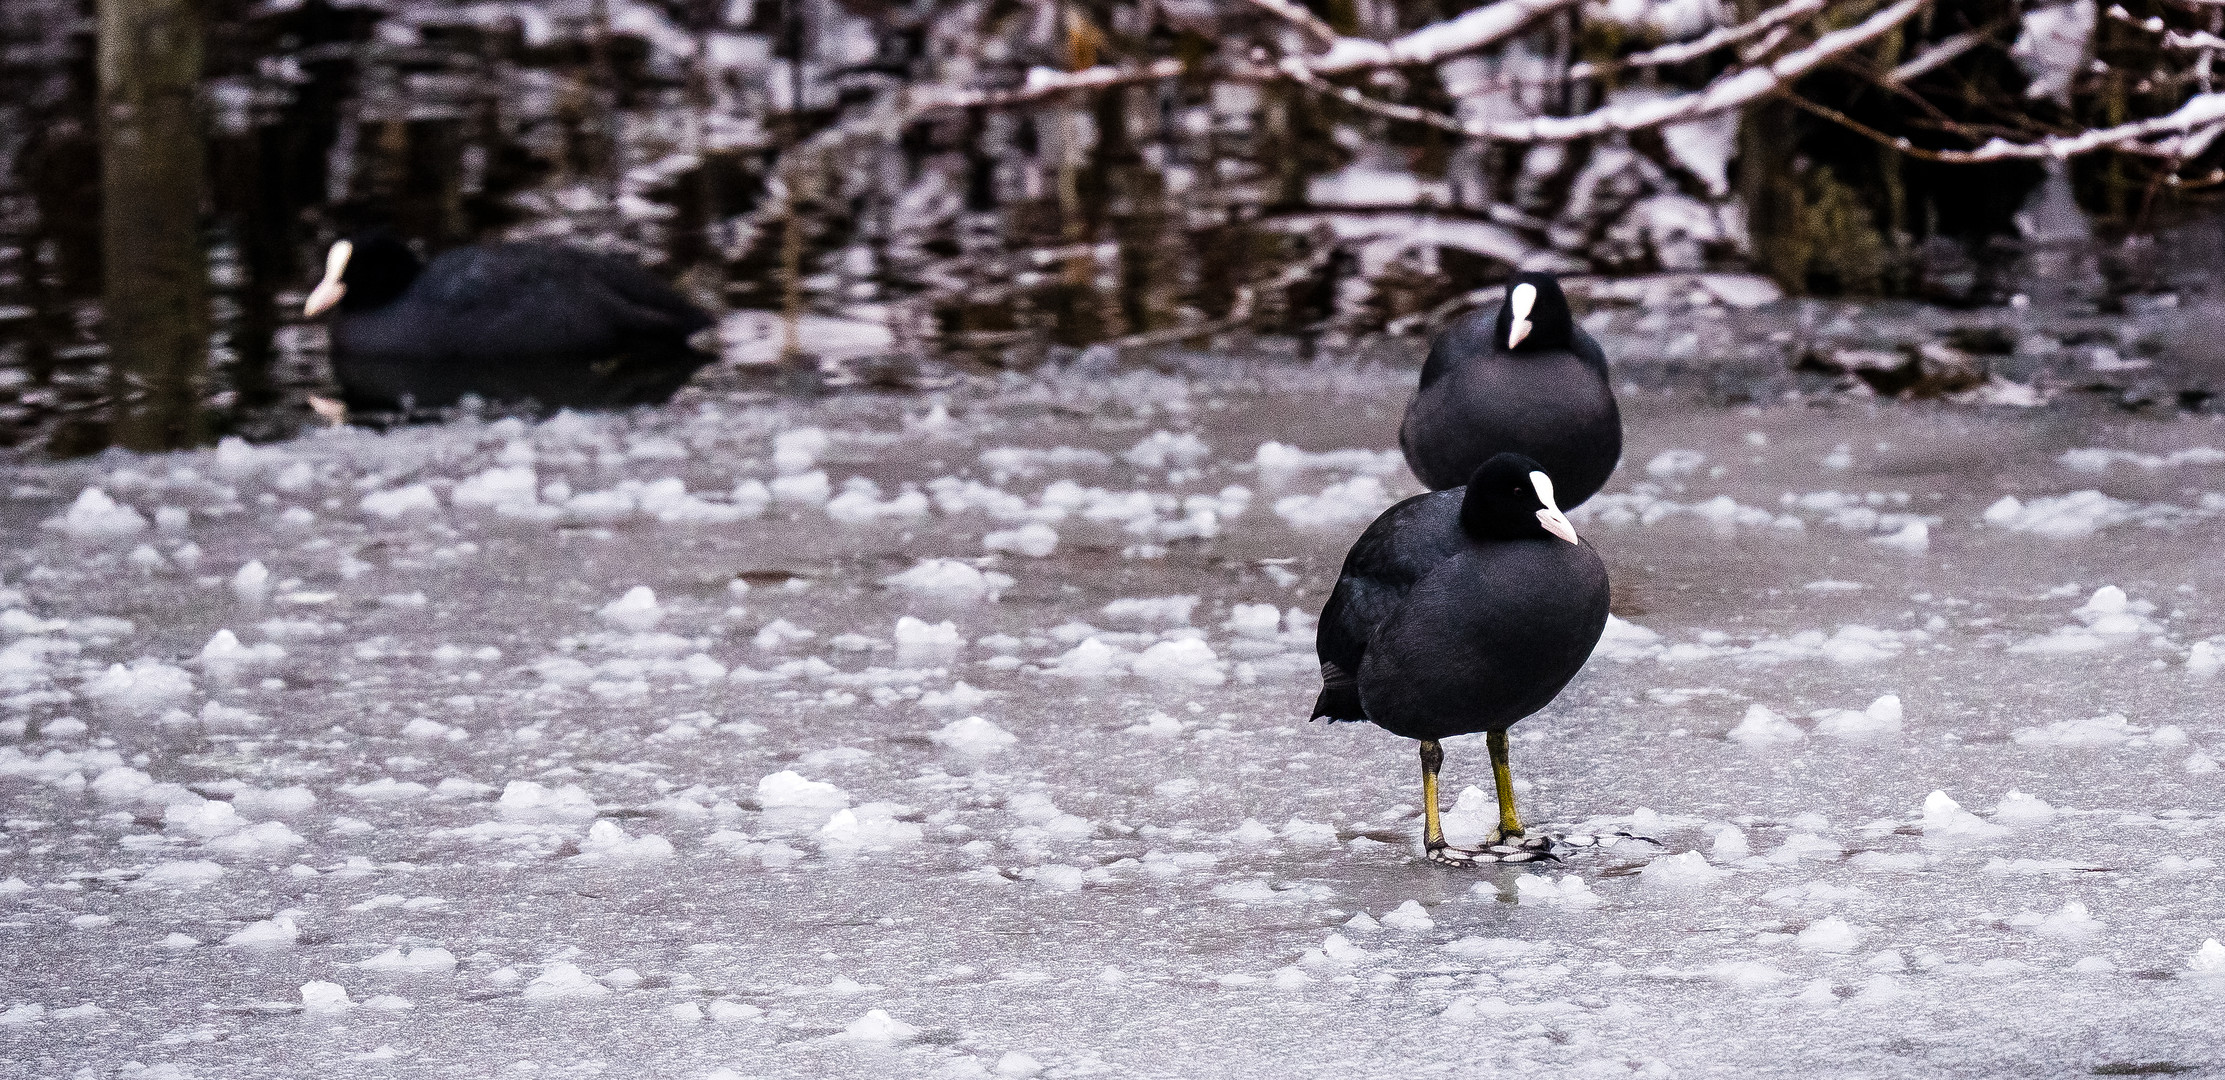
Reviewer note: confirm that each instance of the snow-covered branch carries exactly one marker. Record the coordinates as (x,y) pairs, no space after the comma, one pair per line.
(1706,43)
(2192,42)
(1938,55)
(1041,83)
(1466,32)
(2199,111)
(1730,91)
(1307,22)
(1727,92)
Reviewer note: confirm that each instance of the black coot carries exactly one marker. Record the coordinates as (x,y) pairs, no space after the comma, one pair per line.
(509,323)
(1524,379)
(1462,611)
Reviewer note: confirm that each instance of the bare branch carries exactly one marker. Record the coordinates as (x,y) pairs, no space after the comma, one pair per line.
(1322,33)
(2200,111)
(1466,32)
(1730,91)
(1704,44)
(1938,55)
(2199,40)
(1041,83)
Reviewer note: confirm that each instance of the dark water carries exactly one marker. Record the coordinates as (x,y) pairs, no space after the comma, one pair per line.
(724,143)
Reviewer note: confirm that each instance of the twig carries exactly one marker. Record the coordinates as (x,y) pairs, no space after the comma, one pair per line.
(1466,32)
(1932,58)
(2199,39)
(2199,111)
(1307,22)
(1704,44)
(1041,83)
(1730,91)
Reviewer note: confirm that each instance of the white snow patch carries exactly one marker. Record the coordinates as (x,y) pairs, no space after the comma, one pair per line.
(1409,916)
(426,961)
(1151,611)
(1279,464)
(607,842)
(2094,733)
(878,1026)
(1569,891)
(1685,871)
(563,980)
(271,932)
(178,874)
(1353,502)
(636,611)
(2079,513)
(95,516)
(950,579)
(1882,717)
(527,799)
(1184,660)
(1761,727)
(1830,935)
(317,996)
(398,502)
(873,826)
(860,504)
(143,687)
(1034,540)
(973,735)
(1161,449)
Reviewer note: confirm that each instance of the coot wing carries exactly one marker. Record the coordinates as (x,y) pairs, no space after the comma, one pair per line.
(1485,638)
(540,300)
(1402,544)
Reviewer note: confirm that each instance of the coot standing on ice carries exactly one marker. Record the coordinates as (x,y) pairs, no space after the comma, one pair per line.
(1524,379)
(509,323)
(1457,612)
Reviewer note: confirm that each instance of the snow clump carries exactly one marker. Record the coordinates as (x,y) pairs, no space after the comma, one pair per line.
(95,516)
(950,579)
(973,735)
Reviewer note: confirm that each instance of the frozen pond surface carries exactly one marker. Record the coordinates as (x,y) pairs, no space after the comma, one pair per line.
(361,756)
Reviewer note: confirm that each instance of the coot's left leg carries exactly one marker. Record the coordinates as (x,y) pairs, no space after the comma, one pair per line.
(1510,826)
(1433,827)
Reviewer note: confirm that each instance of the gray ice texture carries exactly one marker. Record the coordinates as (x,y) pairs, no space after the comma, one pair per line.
(892,736)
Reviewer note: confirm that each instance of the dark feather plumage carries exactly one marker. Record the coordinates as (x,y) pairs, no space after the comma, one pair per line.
(512,323)
(1547,398)
(1457,612)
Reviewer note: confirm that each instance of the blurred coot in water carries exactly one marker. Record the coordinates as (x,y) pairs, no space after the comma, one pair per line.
(508,323)
(1523,379)
(1457,612)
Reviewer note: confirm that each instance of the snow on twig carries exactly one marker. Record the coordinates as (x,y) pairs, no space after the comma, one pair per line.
(1943,52)
(1041,83)
(1466,32)
(2202,110)
(1322,33)
(1701,46)
(2197,40)
(1730,91)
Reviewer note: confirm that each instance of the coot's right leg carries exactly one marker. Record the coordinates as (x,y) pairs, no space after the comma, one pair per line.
(1433,826)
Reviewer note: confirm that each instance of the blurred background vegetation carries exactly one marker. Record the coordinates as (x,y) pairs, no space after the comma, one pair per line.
(865,187)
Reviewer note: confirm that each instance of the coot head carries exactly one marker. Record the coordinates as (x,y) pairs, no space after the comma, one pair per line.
(1511,498)
(365,271)
(1535,315)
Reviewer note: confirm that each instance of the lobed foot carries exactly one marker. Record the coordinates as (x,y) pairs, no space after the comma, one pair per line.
(1521,852)
(1544,847)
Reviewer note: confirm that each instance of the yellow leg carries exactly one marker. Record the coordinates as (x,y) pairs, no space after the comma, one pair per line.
(1433,824)
(1433,827)
(1510,825)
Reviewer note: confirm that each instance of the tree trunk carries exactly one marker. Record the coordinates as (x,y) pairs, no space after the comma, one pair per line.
(1771,194)
(156,280)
